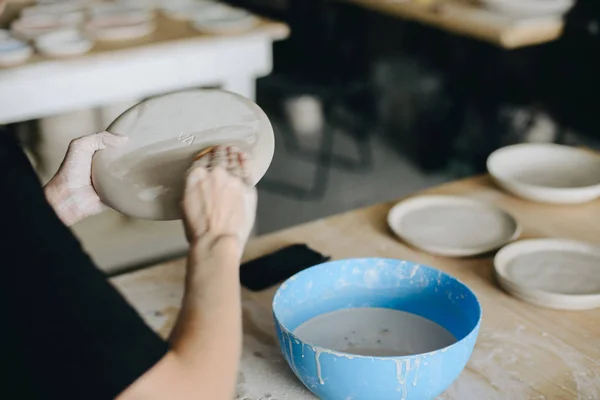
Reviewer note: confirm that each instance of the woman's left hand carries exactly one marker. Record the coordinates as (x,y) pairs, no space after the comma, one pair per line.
(70,191)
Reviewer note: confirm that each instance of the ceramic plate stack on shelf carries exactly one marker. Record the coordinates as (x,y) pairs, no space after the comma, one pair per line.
(223,19)
(548,173)
(41,19)
(529,8)
(69,13)
(13,51)
(451,225)
(554,273)
(116,22)
(63,43)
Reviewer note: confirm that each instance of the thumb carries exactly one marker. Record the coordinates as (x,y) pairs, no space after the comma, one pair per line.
(81,150)
(111,140)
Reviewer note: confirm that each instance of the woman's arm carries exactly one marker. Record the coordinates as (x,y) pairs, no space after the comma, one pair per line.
(205,344)
(206,341)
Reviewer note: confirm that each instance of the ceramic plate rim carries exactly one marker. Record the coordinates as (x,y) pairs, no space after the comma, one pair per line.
(493,170)
(509,252)
(412,203)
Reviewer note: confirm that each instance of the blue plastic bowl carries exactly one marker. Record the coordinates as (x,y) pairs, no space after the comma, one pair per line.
(381,283)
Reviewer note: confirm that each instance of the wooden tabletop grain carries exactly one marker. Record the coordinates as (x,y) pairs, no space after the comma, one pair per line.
(523,351)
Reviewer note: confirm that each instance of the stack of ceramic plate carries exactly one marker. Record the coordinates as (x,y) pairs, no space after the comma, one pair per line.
(68,13)
(529,8)
(13,51)
(452,226)
(115,22)
(554,273)
(29,28)
(63,43)
(548,173)
(222,19)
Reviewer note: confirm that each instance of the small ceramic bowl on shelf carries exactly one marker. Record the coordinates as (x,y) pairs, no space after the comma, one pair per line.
(223,19)
(547,173)
(117,22)
(113,30)
(122,11)
(13,52)
(187,9)
(63,43)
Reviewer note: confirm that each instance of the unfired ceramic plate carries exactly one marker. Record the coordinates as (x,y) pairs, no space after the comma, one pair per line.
(451,225)
(554,273)
(222,19)
(145,177)
(548,173)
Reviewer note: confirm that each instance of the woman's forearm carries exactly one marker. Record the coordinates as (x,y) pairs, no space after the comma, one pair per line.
(208,331)
(207,338)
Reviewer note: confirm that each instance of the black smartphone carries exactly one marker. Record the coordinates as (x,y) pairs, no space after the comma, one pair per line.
(266,271)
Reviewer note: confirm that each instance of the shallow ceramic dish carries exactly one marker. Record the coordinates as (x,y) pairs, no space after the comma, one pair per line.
(13,52)
(222,19)
(451,225)
(122,12)
(529,8)
(145,178)
(381,284)
(187,9)
(31,27)
(553,273)
(548,173)
(117,29)
(63,43)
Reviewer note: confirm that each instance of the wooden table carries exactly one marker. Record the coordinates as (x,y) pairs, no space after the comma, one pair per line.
(174,57)
(466,17)
(523,351)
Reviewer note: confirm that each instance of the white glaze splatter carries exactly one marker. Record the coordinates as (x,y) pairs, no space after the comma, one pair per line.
(417,366)
(318,361)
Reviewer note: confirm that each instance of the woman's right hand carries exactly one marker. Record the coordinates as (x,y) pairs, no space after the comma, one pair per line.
(219,205)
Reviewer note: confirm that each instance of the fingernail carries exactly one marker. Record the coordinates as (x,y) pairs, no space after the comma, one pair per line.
(112,140)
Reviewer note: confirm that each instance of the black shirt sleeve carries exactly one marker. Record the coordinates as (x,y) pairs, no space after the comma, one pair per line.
(68,332)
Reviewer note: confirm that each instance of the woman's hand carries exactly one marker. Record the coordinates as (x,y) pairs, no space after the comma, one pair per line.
(219,205)
(70,191)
